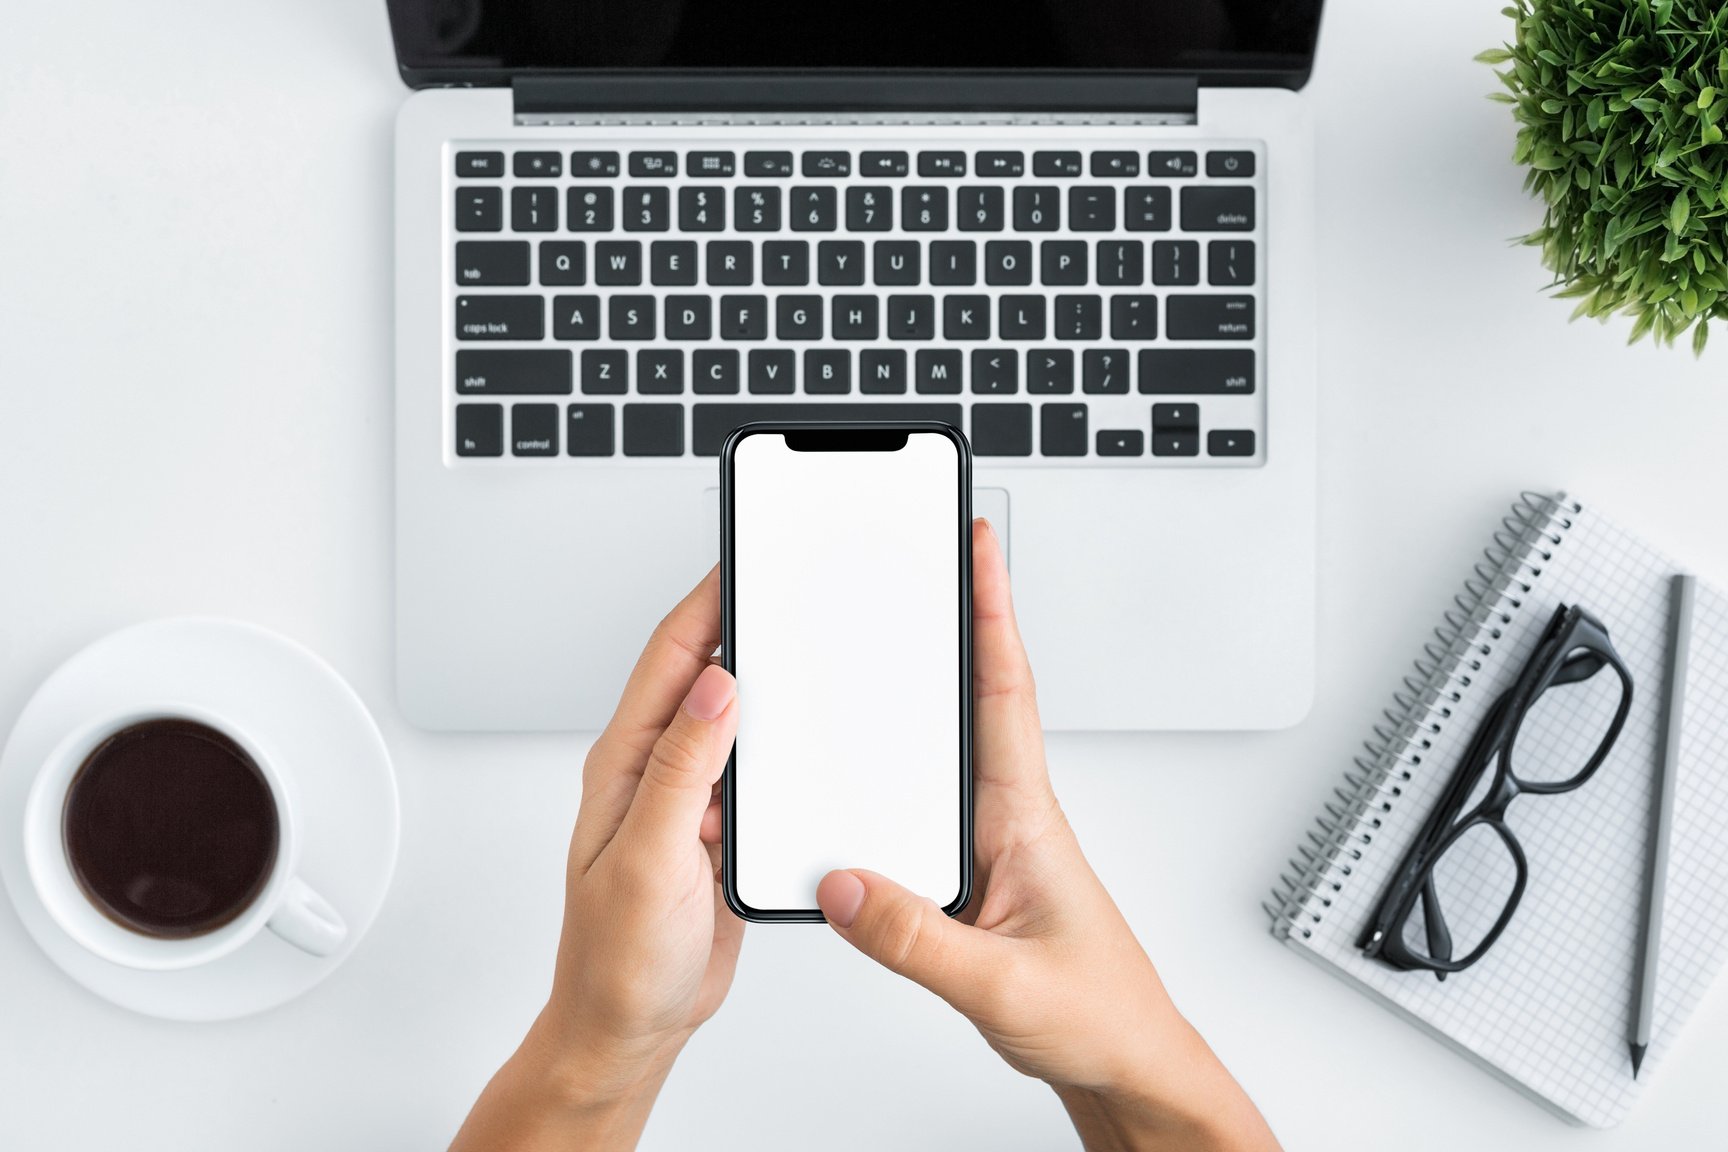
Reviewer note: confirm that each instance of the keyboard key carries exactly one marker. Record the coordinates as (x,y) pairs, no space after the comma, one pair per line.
(1211,317)
(1050,371)
(605,373)
(941,163)
(1185,443)
(588,430)
(882,164)
(772,371)
(672,262)
(966,318)
(1126,442)
(513,371)
(953,263)
(689,318)
(491,262)
(1115,164)
(479,164)
(855,318)
(1176,262)
(1225,209)
(995,372)
(714,371)
(813,210)
(938,371)
(743,317)
(1079,318)
(756,209)
(659,372)
(1175,417)
(588,209)
(1008,262)
(1133,317)
(1020,318)
(1146,209)
(1056,164)
(654,430)
(479,209)
(701,209)
(576,317)
(647,209)
(713,422)
(1230,263)
(1171,164)
(631,318)
(1002,429)
(882,371)
(563,262)
(827,371)
(767,163)
(653,163)
(1004,164)
(1104,371)
(924,209)
(786,262)
(798,318)
(618,262)
(1062,262)
(538,165)
(731,263)
(1035,210)
(534,428)
(500,318)
(1062,429)
(827,164)
(981,209)
(710,163)
(869,209)
(1121,262)
(1220,442)
(840,262)
(898,262)
(1092,209)
(479,429)
(1196,371)
(534,209)
(1229,164)
(911,318)
(593,165)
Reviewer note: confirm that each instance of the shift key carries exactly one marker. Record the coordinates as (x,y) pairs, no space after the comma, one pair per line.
(1196,371)
(513,371)
(1210,318)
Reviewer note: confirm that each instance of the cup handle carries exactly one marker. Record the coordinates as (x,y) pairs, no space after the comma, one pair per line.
(307,921)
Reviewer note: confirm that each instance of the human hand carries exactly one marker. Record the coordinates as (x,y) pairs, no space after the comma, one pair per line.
(649,946)
(1041,960)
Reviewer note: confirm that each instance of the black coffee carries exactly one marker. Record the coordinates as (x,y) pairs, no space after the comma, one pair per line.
(170,828)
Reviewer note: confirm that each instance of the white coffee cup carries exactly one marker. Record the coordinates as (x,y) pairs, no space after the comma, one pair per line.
(285,904)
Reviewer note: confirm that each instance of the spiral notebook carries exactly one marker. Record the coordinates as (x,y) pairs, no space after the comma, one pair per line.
(1547,1008)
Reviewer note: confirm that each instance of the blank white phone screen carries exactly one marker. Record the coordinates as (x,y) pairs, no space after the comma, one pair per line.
(847,630)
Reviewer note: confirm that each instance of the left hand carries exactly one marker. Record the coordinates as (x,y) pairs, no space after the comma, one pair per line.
(649,946)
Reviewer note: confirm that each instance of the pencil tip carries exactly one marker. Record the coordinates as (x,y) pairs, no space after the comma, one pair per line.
(1637,1059)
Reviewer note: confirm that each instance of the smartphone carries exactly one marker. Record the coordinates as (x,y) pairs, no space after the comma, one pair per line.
(846,574)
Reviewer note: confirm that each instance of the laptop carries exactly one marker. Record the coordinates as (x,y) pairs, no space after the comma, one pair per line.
(1078,230)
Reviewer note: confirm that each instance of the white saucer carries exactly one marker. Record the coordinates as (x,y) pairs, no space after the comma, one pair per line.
(316,726)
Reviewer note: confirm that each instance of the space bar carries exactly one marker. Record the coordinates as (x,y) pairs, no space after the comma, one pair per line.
(712,422)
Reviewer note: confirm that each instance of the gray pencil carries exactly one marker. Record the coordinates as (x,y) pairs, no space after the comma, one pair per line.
(1679,650)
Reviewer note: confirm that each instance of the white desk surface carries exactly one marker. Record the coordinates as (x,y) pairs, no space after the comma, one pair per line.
(195,416)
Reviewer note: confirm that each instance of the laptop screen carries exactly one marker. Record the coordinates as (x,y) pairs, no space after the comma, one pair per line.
(1233,40)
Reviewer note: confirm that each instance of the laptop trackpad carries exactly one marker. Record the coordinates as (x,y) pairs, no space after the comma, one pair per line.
(990,503)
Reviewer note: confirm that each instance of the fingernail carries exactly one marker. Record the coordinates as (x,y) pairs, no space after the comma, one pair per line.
(711,693)
(988,527)
(840,895)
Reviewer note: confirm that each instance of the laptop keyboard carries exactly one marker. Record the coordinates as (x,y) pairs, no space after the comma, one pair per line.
(1097,307)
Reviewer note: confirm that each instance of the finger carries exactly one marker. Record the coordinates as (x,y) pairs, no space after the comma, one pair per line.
(711,829)
(1009,739)
(909,935)
(666,812)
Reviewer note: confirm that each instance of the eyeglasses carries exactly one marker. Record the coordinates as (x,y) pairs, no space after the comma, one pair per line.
(1466,867)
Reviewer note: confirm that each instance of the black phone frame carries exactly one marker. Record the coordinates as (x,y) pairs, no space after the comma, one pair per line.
(842,430)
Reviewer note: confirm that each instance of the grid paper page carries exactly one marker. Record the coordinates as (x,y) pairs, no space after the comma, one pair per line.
(1549,1006)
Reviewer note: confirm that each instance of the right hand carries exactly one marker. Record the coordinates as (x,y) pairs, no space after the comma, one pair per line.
(1041,960)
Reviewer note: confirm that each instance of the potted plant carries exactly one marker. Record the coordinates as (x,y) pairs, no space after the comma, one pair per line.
(1621,106)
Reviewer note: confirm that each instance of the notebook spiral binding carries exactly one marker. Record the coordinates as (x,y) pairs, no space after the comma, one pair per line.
(1472,625)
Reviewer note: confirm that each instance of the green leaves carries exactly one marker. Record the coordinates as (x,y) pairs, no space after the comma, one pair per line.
(1621,126)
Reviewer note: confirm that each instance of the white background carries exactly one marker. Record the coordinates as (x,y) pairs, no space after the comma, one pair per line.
(195,415)
(847,590)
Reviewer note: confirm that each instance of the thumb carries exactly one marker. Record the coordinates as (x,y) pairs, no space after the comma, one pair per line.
(678,781)
(908,934)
